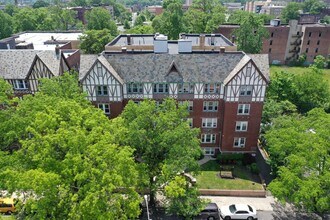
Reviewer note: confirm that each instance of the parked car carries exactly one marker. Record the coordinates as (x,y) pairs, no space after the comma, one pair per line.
(210,212)
(7,205)
(238,211)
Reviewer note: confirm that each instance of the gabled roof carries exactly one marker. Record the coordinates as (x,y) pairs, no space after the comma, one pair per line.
(86,63)
(16,64)
(193,67)
(262,62)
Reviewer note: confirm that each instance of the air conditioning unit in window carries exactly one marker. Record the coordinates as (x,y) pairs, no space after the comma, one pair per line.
(242,145)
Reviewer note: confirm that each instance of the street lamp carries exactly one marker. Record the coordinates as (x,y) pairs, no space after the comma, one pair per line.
(146,199)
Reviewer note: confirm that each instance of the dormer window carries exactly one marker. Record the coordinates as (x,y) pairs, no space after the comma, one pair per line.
(134,88)
(186,88)
(161,88)
(19,84)
(211,88)
(245,91)
(102,90)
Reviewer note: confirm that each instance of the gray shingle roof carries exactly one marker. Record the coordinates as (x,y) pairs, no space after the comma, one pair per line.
(262,62)
(15,64)
(86,63)
(192,67)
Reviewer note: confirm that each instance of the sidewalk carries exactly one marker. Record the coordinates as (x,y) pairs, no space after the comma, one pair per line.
(205,160)
(261,204)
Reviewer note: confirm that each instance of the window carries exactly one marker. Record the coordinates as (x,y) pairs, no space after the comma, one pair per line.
(239,142)
(298,33)
(161,88)
(105,108)
(211,87)
(134,88)
(241,126)
(318,42)
(270,50)
(190,121)
(102,90)
(308,42)
(310,34)
(316,50)
(209,150)
(320,34)
(246,90)
(208,138)
(209,122)
(186,88)
(271,42)
(306,50)
(210,106)
(189,103)
(243,109)
(272,34)
(19,84)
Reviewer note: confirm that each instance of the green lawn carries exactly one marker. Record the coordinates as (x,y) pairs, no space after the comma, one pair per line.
(298,70)
(209,178)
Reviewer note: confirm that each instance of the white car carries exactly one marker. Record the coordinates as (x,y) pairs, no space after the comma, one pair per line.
(238,211)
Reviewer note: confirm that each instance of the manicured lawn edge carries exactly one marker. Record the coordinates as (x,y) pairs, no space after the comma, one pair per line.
(239,193)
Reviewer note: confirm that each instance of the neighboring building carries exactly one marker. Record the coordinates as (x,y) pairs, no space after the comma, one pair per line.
(287,42)
(225,90)
(273,8)
(23,68)
(233,6)
(80,13)
(155,9)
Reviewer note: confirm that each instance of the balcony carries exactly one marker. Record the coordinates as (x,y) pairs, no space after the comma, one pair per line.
(295,50)
(296,42)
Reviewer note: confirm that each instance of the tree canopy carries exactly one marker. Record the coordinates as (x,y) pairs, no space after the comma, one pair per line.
(250,33)
(299,149)
(290,12)
(67,165)
(99,19)
(93,41)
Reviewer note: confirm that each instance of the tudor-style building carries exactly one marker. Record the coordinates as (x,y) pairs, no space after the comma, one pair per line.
(23,68)
(224,90)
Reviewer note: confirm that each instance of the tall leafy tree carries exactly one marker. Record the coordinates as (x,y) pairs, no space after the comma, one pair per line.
(250,33)
(163,142)
(99,19)
(6,24)
(299,151)
(93,41)
(25,20)
(313,6)
(68,166)
(290,12)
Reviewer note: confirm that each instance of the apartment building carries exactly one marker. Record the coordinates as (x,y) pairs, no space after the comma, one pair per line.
(224,88)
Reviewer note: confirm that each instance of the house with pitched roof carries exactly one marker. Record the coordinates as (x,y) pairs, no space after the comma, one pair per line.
(225,90)
(23,68)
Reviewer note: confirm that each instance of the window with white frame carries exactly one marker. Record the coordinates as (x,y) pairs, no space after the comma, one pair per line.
(210,106)
(102,90)
(105,107)
(239,142)
(186,88)
(209,150)
(161,88)
(245,91)
(241,126)
(209,122)
(190,104)
(243,109)
(208,138)
(134,88)
(211,88)
(19,84)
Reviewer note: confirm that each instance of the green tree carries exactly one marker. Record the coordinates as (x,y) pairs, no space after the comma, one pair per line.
(290,12)
(313,6)
(25,20)
(5,25)
(250,34)
(139,20)
(68,166)
(40,4)
(162,140)
(144,29)
(99,19)
(319,62)
(6,92)
(299,151)
(93,41)
(11,9)
(170,22)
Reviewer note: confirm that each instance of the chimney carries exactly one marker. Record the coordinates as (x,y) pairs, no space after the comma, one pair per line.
(124,49)
(129,39)
(233,38)
(57,51)
(222,49)
(202,40)
(183,36)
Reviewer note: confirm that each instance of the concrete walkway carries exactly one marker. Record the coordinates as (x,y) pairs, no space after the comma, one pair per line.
(206,159)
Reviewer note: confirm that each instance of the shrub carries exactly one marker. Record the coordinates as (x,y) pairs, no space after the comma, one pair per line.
(248,159)
(230,158)
(254,168)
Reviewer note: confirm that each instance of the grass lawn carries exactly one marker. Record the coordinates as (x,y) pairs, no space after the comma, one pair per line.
(298,70)
(209,178)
